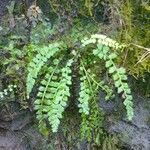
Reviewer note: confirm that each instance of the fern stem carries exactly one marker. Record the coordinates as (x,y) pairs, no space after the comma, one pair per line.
(98,84)
(88,79)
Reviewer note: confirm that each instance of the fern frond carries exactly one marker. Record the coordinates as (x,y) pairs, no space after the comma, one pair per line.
(53,96)
(37,62)
(102,39)
(91,124)
(118,74)
(84,95)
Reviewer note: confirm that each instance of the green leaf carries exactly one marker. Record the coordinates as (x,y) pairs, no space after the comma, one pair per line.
(115,77)
(96,51)
(128,91)
(117,83)
(112,56)
(41,88)
(55,61)
(124,77)
(108,63)
(100,47)
(105,50)
(122,70)
(100,55)
(112,69)
(120,89)
(44,82)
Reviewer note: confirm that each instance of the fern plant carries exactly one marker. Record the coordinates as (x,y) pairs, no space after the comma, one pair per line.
(118,74)
(91,116)
(38,62)
(54,93)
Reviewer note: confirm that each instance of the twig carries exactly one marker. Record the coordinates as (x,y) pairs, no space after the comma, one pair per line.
(145,55)
(139,46)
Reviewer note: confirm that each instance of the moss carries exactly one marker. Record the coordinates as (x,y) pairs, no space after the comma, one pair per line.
(135,32)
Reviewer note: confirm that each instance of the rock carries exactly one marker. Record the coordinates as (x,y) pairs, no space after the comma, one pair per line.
(13,118)
(16,128)
(4,3)
(3,9)
(12,141)
(135,134)
(29,139)
(109,106)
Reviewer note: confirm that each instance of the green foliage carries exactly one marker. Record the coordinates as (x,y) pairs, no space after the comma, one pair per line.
(91,125)
(118,74)
(37,63)
(41,32)
(6,91)
(54,90)
(84,95)
(50,62)
(110,143)
(82,7)
(135,32)
(50,68)
(53,95)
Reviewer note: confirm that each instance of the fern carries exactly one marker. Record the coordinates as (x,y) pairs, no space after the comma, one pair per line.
(102,39)
(84,94)
(37,62)
(119,74)
(54,90)
(91,124)
(91,115)
(53,95)
(87,82)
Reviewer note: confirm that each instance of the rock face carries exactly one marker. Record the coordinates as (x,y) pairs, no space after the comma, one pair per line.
(20,140)
(135,135)
(12,141)
(16,129)
(3,4)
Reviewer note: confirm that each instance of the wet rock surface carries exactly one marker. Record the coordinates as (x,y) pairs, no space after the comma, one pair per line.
(16,129)
(20,140)
(3,4)
(135,135)
(10,140)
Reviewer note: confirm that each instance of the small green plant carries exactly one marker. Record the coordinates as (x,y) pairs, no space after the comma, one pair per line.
(52,48)
(38,62)
(8,90)
(53,94)
(54,90)
(118,74)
